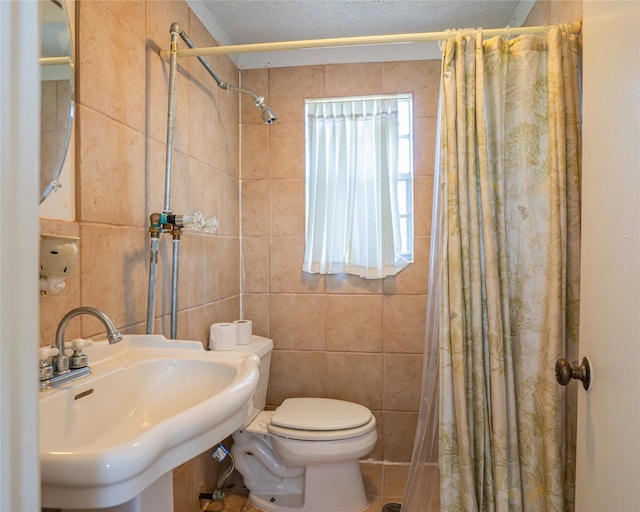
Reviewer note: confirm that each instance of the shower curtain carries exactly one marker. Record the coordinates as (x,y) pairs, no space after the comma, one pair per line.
(506,297)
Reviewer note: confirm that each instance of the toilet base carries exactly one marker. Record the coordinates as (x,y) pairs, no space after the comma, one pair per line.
(276,503)
(332,487)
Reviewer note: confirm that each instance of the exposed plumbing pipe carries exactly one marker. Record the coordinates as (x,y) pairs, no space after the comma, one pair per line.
(171,116)
(174,281)
(155,229)
(202,60)
(167,221)
(267,114)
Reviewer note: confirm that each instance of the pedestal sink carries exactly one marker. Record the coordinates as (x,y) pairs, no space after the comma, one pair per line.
(150,404)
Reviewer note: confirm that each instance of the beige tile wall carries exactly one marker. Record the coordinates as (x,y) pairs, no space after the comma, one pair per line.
(336,336)
(121,137)
(547,12)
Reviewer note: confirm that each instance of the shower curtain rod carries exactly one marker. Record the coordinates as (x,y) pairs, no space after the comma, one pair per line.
(573,28)
(54,61)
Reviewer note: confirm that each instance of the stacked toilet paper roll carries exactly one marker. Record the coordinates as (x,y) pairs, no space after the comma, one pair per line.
(226,336)
(244,328)
(223,336)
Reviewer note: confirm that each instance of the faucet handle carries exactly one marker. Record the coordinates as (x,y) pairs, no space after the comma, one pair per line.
(77,344)
(78,359)
(45,368)
(45,353)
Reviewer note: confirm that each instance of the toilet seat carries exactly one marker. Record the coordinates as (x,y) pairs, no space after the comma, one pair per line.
(320,419)
(322,435)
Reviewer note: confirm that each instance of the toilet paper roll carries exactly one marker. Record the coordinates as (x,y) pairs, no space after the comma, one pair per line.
(223,336)
(245,329)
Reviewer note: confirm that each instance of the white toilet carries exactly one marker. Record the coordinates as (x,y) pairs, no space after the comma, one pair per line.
(304,455)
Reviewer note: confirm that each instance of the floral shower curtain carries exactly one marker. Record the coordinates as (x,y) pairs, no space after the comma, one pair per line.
(509,271)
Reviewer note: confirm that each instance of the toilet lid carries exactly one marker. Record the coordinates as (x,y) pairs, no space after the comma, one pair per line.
(324,414)
(323,435)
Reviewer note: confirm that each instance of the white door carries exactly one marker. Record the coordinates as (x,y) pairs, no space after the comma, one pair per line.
(608,459)
(19,185)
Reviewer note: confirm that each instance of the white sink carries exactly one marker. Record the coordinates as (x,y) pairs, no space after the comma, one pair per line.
(149,405)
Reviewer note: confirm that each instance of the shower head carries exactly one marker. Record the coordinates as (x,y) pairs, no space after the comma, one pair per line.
(268,116)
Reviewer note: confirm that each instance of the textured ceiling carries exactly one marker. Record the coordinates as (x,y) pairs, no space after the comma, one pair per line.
(258,21)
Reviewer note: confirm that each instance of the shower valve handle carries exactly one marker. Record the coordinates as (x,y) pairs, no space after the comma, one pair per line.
(566,371)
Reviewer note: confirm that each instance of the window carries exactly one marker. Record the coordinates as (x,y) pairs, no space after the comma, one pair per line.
(359,189)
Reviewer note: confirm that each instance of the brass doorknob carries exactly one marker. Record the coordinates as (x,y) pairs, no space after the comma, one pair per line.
(565,372)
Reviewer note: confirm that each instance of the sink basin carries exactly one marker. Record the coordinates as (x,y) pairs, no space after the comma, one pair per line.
(149,405)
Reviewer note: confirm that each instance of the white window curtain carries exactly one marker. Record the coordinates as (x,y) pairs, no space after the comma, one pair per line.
(352,221)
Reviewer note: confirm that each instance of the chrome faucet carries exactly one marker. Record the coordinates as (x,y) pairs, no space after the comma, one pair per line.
(60,362)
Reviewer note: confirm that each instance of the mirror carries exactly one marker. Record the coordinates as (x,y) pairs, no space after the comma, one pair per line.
(57,92)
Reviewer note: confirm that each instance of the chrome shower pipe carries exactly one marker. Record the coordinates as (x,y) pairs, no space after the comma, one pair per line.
(171,115)
(258,99)
(267,114)
(221,83)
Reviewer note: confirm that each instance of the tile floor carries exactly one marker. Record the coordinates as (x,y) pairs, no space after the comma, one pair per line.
(384,483)
(232,503)
(238,503)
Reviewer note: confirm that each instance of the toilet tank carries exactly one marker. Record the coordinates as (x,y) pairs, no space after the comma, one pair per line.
(262,348)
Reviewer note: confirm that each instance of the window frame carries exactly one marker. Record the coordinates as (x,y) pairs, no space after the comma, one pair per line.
(403,177)
(407,176)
